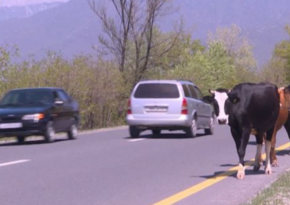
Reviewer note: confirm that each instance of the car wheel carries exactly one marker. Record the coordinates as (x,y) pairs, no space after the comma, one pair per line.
(134,132)
(49,132)
(192,130)
(156,132)
(20,139)
(73,131)
(210,130)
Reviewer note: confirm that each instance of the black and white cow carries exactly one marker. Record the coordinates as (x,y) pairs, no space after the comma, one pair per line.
(218,99)
(252,108)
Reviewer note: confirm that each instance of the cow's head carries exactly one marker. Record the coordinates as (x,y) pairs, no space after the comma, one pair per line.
(220,96)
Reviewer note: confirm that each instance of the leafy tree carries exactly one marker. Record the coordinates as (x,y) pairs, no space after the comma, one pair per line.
(239,49)
(210,68)
(282,53)
(274,72)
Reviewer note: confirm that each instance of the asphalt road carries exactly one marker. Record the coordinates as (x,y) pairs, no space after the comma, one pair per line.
(109,168)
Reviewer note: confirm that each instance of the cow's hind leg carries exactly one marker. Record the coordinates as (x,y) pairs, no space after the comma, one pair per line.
(258,159)
(268,169)
(242,151)
(273,158)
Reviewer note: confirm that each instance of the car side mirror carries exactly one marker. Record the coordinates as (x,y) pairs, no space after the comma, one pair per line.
(58,102)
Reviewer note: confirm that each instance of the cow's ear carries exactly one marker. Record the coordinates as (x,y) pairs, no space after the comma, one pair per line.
(211,91)
(233,97)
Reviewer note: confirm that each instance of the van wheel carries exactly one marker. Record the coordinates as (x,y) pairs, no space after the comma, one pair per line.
(192,130)
(156,132)
(73,131)
(20,139)
(134,132)
(210,130)
(49,132)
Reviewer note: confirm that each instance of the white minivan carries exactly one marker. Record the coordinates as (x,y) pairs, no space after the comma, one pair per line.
(168,105)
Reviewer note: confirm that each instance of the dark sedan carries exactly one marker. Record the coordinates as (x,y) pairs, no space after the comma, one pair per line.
(38,111)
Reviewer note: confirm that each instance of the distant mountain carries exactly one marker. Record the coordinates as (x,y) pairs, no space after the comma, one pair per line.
(8,3)
(69,28)
(73,28)
(8,12)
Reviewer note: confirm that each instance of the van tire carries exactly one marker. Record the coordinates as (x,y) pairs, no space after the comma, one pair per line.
(134,132)
(192,130)
(209,131)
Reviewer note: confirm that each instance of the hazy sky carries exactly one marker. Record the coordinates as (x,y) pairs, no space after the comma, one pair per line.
(25,2)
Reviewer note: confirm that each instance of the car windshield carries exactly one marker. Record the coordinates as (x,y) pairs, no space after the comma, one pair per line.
(27,98)
(157,90)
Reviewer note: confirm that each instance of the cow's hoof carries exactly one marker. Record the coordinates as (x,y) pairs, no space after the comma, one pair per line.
(257,167)
(241,174)
(268,170)
(275,163)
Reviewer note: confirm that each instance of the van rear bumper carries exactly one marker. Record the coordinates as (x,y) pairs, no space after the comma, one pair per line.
(180,121)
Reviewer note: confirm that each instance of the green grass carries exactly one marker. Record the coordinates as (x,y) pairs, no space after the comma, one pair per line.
(278,193)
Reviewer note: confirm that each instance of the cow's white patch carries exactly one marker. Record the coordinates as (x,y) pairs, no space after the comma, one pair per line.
(268,169)
(221,98)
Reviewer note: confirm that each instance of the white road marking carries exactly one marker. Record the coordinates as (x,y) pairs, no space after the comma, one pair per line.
(135,140)
(14,162)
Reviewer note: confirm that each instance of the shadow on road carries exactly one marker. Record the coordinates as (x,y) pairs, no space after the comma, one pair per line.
(232,173)
(283,152)
(228,165)
(167,136)
(249,171)
(30,142)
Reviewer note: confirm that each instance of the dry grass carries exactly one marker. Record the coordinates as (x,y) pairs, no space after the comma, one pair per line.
(277,193)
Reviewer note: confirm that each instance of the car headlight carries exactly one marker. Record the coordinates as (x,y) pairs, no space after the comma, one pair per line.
(34,117)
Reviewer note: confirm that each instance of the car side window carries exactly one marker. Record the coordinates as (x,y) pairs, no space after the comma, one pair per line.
(193,92)
(199,94)
(59,95)
(66,96)
(186,90)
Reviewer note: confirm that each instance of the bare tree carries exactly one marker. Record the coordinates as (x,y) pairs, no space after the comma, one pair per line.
(131,36)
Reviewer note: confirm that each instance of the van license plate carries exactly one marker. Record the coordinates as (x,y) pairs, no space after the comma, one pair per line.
(156,109)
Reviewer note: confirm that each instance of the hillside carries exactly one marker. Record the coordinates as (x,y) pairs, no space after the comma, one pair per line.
(73,28)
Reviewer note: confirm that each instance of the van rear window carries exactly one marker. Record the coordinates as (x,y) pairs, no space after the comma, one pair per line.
(157,90)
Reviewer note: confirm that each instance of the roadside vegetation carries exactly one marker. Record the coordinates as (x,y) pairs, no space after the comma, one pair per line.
(134,48)
(277,194)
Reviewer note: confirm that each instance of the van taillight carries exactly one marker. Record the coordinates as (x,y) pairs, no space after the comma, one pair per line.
(184,107)
(129,111)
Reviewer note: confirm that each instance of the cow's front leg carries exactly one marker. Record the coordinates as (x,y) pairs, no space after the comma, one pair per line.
(242,151)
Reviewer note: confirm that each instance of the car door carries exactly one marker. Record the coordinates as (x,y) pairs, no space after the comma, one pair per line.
(206,108)
(63,110)
(194,103)
(68,115)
